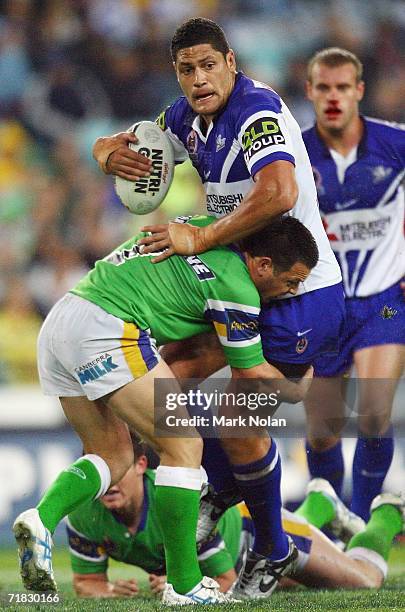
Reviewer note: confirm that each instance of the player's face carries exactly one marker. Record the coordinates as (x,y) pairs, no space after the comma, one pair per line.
(335,94)
(277,283)
(121,496)
(206,78)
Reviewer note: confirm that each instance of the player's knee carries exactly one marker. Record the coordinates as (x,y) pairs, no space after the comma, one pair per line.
(118,462)
(181,451)
(374,424)
(320,445)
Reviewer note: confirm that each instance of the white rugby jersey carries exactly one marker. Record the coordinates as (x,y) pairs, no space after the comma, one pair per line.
(362,206)
(254,129)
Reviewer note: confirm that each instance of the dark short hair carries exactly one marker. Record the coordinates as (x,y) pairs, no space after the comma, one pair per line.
(138,445)
(286,241)
(199,31)
(333,57)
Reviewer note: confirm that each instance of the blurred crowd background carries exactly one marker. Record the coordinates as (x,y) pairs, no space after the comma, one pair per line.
(72,70)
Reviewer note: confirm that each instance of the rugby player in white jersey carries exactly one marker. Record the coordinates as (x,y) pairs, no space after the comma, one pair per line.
(358,163)
(249,153)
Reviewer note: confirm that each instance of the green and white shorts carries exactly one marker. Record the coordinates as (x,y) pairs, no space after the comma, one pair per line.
(84,350)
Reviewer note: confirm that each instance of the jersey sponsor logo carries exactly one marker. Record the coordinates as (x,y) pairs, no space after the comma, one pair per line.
(260,134)
(362,230)
(223,204)
(230,198)
(83,546)
(159,172)
(241,326)
(201,270)
(96,369)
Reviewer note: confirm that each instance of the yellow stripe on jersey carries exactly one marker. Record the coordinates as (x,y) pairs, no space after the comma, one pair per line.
(243,511)
(220,329)
(131,350)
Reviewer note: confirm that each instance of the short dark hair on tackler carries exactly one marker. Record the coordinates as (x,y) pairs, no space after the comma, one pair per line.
(199,31)
(286,241)
(138,445)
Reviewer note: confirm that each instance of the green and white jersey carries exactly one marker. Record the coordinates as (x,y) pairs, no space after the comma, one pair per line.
(95,535)
(181,296)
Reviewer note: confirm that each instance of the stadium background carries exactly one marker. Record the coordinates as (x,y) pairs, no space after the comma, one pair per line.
(73,70)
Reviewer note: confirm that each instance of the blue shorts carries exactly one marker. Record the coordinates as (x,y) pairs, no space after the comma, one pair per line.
(370,321)
(305,328)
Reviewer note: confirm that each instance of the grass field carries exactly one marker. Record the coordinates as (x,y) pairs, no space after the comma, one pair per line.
(391,597)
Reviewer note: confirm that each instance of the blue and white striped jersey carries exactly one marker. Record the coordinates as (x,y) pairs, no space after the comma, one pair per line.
(362,205)
(254,129)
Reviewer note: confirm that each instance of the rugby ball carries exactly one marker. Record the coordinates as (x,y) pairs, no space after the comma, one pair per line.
(147,193)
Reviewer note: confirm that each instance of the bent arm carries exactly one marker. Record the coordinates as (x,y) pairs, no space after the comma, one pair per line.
(274,192)
(287,390)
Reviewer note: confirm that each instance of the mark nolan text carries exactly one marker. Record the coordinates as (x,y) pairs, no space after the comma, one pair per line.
(251,420)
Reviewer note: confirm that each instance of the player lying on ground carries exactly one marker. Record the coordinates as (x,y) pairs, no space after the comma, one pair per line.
(123,525)
(97,353)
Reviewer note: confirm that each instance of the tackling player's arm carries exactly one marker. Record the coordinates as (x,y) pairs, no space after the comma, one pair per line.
(274,381)
(274,192)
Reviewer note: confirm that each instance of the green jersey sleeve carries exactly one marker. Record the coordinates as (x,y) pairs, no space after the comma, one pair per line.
(233,307)
(86,555)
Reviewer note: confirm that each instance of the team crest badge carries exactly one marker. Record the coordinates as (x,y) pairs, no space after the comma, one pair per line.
(301,345)
(388,313)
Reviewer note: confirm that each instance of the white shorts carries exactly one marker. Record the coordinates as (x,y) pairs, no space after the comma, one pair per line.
(83,350)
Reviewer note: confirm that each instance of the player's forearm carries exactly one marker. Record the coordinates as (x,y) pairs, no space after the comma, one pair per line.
(263,204)
(276,382)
